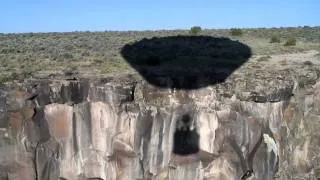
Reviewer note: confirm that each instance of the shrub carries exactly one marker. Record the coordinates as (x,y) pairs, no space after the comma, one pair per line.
(66,55)
(4,79)
(98,61)
(236,32)
(291,42)
(195,30)
(307,63)
(275,39)
(264,58)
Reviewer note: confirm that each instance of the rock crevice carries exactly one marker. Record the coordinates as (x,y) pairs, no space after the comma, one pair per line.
(127,129)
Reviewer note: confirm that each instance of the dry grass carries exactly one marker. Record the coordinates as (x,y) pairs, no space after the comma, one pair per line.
(23,55)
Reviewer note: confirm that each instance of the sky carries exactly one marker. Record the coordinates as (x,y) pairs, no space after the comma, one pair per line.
(18,16)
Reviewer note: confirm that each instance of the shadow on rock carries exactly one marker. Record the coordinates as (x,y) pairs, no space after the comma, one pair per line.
(186,62)
(186,137)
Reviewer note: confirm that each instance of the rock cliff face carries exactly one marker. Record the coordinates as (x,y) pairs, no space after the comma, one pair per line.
(261,123)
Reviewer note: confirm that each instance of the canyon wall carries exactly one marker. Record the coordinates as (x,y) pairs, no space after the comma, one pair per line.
(255,125)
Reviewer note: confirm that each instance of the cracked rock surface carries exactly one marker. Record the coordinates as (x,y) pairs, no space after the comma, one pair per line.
(261,123)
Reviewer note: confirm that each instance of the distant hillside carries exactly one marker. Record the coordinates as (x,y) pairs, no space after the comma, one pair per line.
(22,55)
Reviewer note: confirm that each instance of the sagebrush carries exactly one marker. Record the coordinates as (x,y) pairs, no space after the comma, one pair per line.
(236,32)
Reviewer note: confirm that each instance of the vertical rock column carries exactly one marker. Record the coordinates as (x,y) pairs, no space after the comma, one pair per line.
(59,119)
(23,138)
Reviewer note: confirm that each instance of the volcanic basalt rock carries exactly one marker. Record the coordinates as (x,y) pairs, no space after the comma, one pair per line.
(256,124)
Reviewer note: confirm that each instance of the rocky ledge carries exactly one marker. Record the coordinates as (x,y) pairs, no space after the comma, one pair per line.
(261,123)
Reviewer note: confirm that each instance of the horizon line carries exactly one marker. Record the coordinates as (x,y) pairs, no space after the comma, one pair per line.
(155,30)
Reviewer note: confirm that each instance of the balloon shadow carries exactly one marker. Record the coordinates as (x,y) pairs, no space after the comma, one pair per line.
(185,62)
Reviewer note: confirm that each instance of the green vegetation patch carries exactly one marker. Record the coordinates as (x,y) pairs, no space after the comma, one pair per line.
(290,42)
(275,39)
(195,30)
(236,32)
